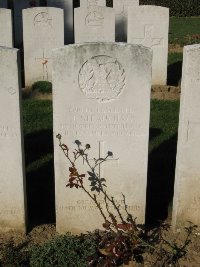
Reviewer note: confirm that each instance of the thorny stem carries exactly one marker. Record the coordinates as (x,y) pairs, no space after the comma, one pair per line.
(81,184)
(125,207)
(101,188)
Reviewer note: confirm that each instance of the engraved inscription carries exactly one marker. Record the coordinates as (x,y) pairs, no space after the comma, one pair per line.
(11,90)
(102,78)
(148,40)
(42,19)
(6,131)
(102,122)
(88,205)
(11,211)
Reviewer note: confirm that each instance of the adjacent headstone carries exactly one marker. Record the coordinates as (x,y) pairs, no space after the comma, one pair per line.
(94,24)
(149,26)
(12,182)
(43,30)
(86,3)
(3,3)
(6,38)
(18,6)
(186,204)
(67,5)
(101,96)
(121,13)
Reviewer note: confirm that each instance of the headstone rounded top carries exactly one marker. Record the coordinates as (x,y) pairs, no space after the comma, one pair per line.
(39,9)
(151,7)
(101,44)
(191,47)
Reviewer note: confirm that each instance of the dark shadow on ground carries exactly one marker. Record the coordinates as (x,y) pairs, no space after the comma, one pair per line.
(40,183)
(38,144)
(154,132)
(41,196)
(160,182)
(174,73)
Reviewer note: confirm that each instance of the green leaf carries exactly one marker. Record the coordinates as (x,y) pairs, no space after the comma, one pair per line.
(91,173)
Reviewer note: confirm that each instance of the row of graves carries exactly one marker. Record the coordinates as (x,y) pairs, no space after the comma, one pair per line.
(46,28)
(101,96)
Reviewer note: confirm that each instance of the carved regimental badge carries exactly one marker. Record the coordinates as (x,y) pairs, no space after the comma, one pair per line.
(42,19)
(94,18)
(102,78)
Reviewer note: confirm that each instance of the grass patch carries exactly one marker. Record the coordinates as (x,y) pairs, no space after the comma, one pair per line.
(174,70)
(37,115)
(174,57)
(164,121)
(44,87)
(68,250)
(184,31)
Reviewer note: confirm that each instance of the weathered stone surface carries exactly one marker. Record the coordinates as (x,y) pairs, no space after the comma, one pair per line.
(186,204)
(67,5)
(101,96)
(43,30)
(148,26)
(12,182)
(6,38)
(18,6)
(3,3)
(94,24)
(121,13)
(86,3)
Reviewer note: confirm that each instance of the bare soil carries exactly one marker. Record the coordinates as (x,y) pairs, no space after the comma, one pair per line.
(44,233)
(175,48)
(165,92)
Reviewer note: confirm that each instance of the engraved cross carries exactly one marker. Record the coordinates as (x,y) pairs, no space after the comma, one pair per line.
(148,40)
(101,154)
(44,60)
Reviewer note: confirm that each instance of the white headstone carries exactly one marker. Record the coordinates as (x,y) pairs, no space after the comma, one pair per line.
(149,26)
(6,38)
(43,30)
(3,4)
(94,24)
(18,6)
(186,204)
(121,13)
(86,3)
(101,96)
(12,182)
(67,5)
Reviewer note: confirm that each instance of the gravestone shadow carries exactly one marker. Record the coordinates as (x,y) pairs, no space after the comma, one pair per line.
(174,73)
(40,185)
(38,144)
(160,181)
